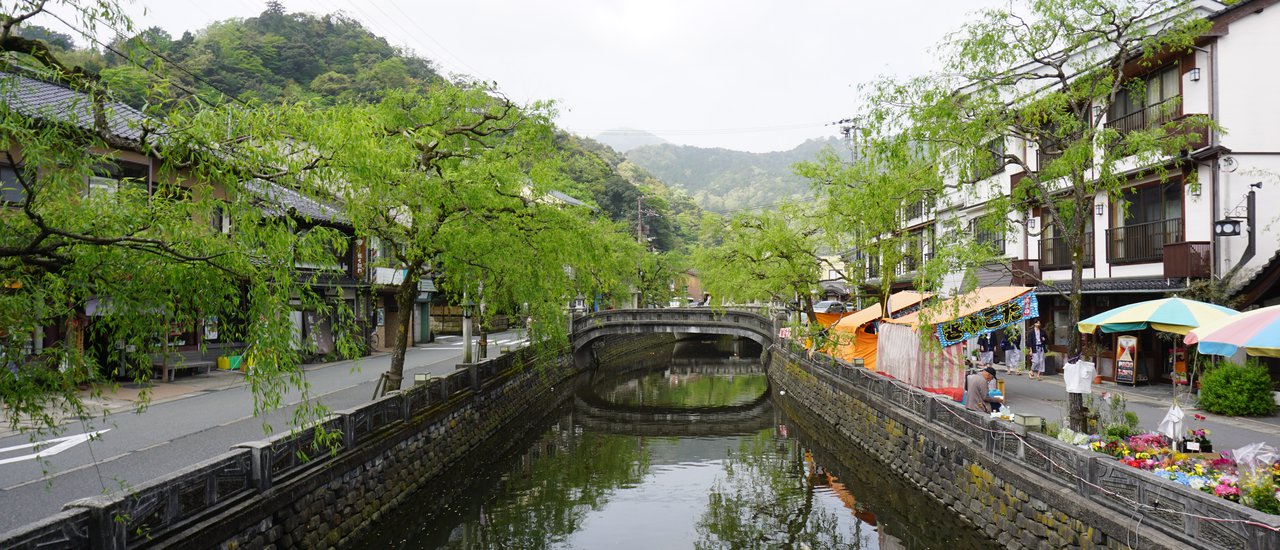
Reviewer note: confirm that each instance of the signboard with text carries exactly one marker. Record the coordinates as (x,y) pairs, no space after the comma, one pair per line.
(988,320)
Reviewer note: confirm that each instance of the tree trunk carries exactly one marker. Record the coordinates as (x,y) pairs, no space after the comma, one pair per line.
(1075,401)
(405,296)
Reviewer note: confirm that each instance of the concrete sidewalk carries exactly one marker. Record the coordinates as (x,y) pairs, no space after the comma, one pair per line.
(1048,398)
(129,396)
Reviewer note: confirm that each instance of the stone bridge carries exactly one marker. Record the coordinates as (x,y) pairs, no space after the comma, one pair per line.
(738,323)
(714,421)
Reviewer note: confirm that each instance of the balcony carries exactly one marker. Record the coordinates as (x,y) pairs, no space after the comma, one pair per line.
(1187,259)
(1055,254)
(1143,242)
(1149,117)
(1025,272)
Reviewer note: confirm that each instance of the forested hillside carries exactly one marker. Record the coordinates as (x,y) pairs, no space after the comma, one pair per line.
(723,180)
(332,59)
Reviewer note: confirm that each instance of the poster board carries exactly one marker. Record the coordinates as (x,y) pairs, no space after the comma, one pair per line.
(1126,359)
(1179,360)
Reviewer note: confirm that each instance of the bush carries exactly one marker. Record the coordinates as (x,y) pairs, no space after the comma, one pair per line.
(1237,390)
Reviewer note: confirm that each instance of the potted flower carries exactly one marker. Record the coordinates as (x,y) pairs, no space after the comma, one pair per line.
(1197,440)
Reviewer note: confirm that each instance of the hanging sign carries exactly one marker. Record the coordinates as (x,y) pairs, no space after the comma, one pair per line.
(1126,358)
(988,320)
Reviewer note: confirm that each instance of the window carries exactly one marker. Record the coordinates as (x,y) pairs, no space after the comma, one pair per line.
(110,178)
(11,192)
(988,231)
(1150,103)
(988,160)
(1153,218)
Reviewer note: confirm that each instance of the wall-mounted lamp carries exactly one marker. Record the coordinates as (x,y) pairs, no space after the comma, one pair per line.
(1097,209)
(1194,73)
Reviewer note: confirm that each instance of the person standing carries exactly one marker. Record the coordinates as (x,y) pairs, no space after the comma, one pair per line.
(975,390)
(986,350)
(1038,344)
(1012,353)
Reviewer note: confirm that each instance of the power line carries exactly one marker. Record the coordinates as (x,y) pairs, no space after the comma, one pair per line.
(139,64)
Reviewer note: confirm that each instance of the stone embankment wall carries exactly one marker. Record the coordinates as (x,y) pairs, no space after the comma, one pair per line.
(263,494)
(1024,490)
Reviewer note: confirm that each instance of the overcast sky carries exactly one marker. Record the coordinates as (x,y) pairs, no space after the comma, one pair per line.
(751,75)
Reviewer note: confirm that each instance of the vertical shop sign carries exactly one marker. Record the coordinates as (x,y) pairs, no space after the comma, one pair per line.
(362,251)
(1126,359)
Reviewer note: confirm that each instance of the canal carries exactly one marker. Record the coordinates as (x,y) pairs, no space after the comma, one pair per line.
(681,447)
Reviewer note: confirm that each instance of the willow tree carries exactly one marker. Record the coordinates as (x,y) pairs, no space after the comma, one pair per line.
(92,250)
(1040,77)
(456,182)
(768,256)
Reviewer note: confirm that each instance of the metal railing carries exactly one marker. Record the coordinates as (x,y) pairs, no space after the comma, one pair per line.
(1143,242)
(1148,117)
(1172,509)
(1055,254)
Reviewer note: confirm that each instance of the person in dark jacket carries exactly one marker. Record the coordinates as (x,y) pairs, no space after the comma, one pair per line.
(986,350)
(1038,343)
(1012,353)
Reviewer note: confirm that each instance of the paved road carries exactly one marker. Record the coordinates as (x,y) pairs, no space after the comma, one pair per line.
(1048,398)
(188,421)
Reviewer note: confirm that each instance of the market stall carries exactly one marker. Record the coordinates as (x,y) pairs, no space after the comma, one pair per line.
(855,335)
(1136,354)
(926,348)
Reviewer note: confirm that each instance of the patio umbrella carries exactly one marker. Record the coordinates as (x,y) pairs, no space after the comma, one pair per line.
(1176,315)
(1257,331)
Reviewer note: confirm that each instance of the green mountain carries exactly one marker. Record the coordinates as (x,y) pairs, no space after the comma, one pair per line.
(724,180)
(626,139)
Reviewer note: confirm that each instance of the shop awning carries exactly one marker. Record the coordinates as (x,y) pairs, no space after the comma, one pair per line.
(897,302)
(979,312)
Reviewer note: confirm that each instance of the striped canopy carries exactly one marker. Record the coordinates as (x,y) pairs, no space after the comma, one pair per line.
(1176,315)
(1257,331)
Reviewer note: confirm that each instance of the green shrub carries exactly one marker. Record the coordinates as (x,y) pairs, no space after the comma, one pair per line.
(1262,497)
(1236,390)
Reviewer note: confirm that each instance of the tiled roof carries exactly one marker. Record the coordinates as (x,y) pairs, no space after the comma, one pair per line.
(282,201)
(1117,286)
(46,100)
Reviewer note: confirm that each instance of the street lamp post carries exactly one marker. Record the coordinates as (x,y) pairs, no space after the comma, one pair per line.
(466,328)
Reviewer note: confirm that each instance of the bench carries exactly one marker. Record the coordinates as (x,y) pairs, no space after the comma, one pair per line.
(196,361)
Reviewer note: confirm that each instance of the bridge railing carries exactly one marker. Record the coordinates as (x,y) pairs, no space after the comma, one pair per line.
(746,317)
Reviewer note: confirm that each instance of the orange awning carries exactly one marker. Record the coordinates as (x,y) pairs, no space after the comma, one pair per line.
(897,302)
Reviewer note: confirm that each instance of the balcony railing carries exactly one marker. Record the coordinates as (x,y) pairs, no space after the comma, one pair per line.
(1025,272)
(1055,254)
(1149,117)
(1187,259)
(1143,242)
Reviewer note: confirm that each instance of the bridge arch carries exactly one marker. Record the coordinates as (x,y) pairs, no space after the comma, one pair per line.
(742,324)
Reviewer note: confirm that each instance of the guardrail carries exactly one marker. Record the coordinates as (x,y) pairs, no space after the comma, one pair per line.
(1169,507)
(148,513)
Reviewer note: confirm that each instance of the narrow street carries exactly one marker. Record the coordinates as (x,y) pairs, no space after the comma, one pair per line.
(189,420)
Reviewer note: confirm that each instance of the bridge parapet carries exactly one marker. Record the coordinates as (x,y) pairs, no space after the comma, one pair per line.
(745,324)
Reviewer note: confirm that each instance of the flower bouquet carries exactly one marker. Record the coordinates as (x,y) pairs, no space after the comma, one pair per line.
(1197,440)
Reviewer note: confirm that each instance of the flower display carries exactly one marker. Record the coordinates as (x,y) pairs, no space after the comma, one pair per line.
(1218,476)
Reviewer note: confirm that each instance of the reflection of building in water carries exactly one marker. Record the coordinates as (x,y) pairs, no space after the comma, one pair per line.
(820,477)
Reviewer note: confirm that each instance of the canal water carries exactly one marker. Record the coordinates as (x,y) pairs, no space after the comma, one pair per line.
(683,448)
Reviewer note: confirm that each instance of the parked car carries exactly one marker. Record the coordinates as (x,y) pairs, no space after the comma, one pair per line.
(829,306)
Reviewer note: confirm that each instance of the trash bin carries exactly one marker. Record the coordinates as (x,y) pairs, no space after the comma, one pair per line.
(234,362)
(224,363)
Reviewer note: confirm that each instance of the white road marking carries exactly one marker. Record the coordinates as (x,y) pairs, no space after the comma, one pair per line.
(41,447)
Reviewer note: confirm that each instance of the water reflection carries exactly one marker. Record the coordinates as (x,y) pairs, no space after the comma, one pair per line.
(714,465)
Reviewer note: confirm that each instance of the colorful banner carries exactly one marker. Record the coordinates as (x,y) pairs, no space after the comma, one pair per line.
(988,320)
